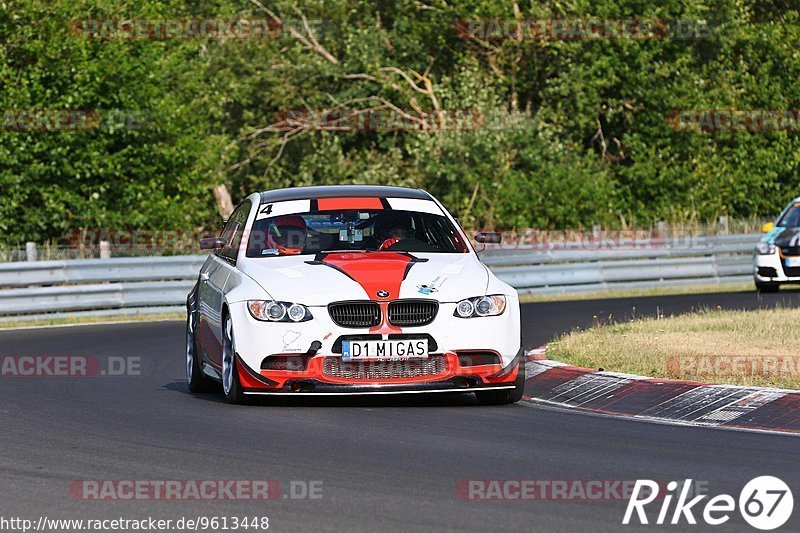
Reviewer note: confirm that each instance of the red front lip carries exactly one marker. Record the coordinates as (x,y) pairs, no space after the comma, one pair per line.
(482,373)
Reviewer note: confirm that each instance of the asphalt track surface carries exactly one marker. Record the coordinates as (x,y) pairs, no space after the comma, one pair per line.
(388,464)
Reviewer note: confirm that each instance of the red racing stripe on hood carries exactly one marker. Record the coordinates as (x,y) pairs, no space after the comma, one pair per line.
(374,271)
(380,274)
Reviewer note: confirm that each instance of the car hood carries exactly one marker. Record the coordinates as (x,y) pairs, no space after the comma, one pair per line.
(319,280)
(783,237)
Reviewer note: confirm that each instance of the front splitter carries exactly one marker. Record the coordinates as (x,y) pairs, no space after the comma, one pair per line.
(350,390)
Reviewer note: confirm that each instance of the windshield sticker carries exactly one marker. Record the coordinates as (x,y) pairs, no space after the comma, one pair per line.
(276,209)
(337,204)
(415,205)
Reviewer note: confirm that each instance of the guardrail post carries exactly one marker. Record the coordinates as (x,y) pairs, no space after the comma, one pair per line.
(31,253)
(105,250)
(723,225)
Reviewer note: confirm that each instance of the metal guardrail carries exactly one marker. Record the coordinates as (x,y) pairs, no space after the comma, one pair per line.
(94,296)
(645,249)
(98,285)
(662,262)
(22,274)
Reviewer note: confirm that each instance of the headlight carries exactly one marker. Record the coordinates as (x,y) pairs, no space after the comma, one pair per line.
(297,313)
(465,308)
(481,306)
(765,248)
(271,311)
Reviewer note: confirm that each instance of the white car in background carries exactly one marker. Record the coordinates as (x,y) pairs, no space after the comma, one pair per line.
(777,257)
(350,290)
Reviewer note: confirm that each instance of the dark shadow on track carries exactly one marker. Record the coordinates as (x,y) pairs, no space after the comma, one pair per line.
(455,399)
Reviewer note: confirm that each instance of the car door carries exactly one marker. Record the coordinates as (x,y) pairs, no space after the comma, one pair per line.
(213,279)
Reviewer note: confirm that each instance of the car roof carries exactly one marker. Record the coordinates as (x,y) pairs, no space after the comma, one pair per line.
(337,191)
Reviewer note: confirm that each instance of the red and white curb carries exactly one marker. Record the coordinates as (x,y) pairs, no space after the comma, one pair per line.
(663,400)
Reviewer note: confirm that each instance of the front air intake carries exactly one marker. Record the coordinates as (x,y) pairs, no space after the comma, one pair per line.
(380,370)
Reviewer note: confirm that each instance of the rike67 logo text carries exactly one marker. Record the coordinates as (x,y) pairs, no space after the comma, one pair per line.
(765,503)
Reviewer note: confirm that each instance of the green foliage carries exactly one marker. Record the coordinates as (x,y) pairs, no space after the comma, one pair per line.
(571,133)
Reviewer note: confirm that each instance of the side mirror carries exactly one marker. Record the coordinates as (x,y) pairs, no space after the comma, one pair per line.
(212,243)
(768,227)
(488,237)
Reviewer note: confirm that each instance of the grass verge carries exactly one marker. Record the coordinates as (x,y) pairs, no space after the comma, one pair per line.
(654,291)
(760,348)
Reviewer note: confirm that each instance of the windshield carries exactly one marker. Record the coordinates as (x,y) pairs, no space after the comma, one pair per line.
(354,230)
(791,218)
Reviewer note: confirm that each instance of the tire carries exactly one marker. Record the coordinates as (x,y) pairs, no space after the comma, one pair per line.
(196,379)
(506,396)
(767,287)
(230,372)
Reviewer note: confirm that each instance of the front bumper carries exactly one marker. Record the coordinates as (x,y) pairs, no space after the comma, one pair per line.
(774,269)
(480,353)
(314,382)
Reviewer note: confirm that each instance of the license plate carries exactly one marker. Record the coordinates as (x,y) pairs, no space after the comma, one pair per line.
(793,261)
(385,350)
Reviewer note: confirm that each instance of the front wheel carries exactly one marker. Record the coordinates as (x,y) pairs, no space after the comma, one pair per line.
(196,380)
(767,286)
(506,396)
(230,373)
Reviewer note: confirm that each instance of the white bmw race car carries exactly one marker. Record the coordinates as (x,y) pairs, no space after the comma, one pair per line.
(777,257)
(350,290)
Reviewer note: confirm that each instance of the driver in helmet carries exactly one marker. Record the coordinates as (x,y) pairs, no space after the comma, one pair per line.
(287,234)
(390,228)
